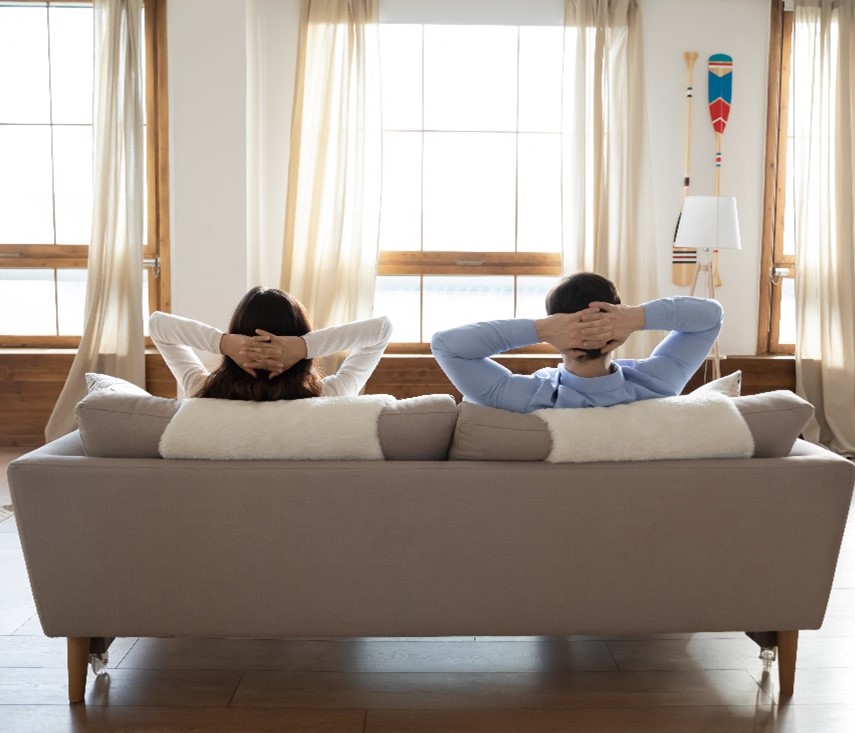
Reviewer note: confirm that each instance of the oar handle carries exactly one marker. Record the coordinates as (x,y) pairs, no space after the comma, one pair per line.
(689,57)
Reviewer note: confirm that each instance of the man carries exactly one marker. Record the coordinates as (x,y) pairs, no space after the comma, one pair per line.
(586,322)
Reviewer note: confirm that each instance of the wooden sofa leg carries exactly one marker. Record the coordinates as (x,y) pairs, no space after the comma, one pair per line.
(78,661)
(788,645)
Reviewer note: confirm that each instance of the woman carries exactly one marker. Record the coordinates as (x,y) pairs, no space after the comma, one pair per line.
(268,351)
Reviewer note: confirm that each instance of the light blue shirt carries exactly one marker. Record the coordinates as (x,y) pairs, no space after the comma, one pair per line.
(463,353)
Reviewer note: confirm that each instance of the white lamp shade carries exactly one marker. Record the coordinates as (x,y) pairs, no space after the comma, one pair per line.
(708,222)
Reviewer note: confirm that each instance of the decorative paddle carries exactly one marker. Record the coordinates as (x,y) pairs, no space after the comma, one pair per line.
(720,97)
(720,81)
(683,261)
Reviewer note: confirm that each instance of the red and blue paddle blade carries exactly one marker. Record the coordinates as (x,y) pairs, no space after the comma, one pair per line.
(720,79)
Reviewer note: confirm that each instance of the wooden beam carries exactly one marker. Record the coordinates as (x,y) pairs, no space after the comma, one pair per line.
(32,379)
(469,263)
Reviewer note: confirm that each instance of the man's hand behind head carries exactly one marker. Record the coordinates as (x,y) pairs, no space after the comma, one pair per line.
(584,330)
(623,321)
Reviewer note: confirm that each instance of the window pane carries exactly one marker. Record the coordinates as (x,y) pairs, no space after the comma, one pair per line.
(27,302)
(787,325)
(26,206)
(71,298)
(73,183)
(24,94)
(470,78)
(401,76)
(401,207)
(71,64)
(539,199)
(398,298)
(541,59)
(469,191)
(456,300)
(531,295)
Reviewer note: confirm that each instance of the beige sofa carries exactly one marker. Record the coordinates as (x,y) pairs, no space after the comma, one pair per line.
(146,546)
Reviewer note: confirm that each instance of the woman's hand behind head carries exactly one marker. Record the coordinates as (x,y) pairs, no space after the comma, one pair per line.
(276,354)
(234,346)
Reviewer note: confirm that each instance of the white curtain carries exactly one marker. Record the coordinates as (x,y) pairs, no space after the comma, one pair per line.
(824,164)
(112,339)
(608,224)
(333,203)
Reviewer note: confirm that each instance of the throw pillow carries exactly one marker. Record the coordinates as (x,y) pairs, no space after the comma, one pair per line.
(730,384)
(97,382)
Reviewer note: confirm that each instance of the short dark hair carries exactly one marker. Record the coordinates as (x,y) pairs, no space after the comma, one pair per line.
(576,292)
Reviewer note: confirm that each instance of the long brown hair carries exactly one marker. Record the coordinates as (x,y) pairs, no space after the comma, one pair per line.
(280,314)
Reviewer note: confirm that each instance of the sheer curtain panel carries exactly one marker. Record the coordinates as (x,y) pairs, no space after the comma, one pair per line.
(112,340)
(333,203)
(607,208)
(824,164)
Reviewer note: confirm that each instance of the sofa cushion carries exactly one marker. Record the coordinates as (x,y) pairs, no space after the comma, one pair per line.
(417,428)
(340,428)
(775,420)
(117,423)
(691,426)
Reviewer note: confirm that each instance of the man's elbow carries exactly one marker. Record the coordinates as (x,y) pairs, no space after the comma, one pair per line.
(438,346)
(717,312)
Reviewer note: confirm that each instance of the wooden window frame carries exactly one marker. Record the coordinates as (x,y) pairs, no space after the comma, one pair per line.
(422,263)
(156,251)
(476,263)
(773,261)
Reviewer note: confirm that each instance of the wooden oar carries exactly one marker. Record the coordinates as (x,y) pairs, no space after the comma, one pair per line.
(684,261)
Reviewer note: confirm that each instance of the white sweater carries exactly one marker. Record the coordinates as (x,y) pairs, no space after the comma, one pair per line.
(177,337)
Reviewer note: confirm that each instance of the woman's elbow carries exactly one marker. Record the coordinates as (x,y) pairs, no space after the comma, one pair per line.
(154,322)
(385,329)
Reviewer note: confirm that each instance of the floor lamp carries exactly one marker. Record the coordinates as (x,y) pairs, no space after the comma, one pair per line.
(708,223)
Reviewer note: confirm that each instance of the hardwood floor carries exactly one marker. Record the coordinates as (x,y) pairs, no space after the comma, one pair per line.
(672,683)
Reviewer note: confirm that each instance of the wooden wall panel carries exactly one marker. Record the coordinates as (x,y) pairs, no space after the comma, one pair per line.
(31,380)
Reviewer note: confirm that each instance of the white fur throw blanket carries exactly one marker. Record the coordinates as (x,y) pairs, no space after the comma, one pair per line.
(706,425)
(317,428)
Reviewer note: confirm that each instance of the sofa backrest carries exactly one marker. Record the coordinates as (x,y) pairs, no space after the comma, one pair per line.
(126,422)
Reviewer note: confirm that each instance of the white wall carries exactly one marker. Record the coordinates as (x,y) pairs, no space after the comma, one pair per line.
(208,91)
(272,38)
(207,110)
(739,28)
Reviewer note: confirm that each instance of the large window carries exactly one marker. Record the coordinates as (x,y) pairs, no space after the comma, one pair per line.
(46,171)
(470,223)
(777,330)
